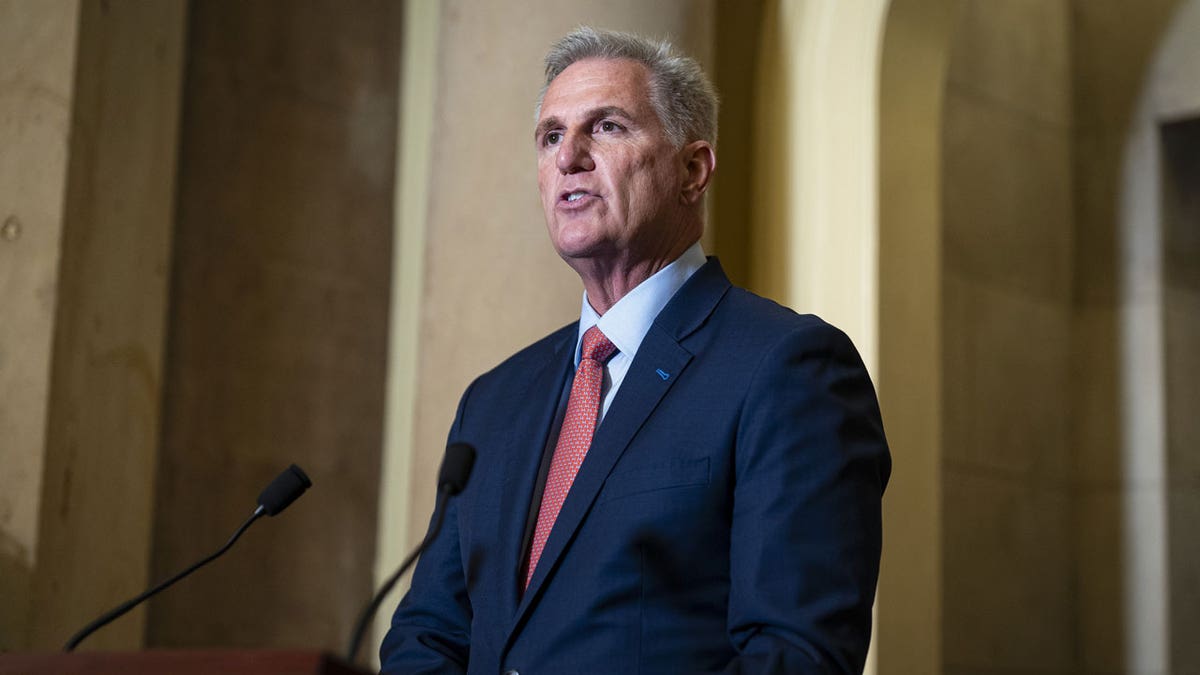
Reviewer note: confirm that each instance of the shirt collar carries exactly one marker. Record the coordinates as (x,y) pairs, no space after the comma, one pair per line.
(627,322)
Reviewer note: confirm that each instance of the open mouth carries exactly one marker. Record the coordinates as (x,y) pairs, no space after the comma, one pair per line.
(574,196)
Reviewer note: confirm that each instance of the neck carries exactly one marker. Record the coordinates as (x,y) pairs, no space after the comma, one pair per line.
(607,281)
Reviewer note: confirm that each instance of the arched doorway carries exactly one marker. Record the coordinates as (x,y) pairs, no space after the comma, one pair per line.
(1157,309)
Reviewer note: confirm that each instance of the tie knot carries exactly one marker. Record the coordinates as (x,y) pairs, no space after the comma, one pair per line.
(596,346)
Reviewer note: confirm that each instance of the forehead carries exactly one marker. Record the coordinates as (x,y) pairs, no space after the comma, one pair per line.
(597,83)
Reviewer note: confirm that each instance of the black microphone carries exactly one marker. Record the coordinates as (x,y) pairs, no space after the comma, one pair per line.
(282,491)
(456,468)
(452,478)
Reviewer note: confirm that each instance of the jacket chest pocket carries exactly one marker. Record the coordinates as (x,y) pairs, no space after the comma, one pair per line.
(656,476)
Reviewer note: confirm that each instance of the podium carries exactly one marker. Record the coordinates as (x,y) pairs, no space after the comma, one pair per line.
(180,662)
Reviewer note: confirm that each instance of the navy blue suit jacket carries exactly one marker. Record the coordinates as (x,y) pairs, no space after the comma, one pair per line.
(726,518)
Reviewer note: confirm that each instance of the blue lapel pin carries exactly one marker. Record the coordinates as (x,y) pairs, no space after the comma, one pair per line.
(663,374)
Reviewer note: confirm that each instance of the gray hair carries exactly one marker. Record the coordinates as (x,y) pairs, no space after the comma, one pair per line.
(680,93)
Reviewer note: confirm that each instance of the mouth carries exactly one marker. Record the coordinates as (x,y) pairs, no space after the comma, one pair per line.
(572,198)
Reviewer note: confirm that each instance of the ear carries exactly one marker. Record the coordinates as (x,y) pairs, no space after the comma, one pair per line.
(699,162)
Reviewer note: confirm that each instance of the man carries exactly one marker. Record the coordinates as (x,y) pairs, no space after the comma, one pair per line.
(688,479)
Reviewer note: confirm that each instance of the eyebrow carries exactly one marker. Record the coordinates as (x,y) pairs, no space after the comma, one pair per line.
(593,114)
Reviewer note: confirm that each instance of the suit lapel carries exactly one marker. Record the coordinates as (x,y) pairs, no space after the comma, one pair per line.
(659,362)
(525,446)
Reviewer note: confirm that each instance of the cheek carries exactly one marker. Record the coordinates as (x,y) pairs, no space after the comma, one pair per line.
(649,183)
(546,170)
(545,193)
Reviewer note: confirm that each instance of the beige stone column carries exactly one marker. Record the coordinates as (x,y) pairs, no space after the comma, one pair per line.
(277,339)
(89,101)
(913,65)
(814,213)
(103,420)
(37,74)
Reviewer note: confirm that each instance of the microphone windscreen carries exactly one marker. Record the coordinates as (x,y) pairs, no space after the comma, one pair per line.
(284,490)
(456,468)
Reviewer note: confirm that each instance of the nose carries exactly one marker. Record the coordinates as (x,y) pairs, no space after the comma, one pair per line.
(574,154)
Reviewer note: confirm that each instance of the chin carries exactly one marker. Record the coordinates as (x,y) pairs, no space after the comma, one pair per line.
(583,250)
(576,242)
(570,253)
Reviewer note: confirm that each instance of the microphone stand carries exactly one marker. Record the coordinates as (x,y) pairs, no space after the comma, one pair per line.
(279,493)
(129,604)
(364,619)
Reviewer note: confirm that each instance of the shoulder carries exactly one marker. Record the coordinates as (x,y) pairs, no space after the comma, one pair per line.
(710,311)
(760,311)
(762,324)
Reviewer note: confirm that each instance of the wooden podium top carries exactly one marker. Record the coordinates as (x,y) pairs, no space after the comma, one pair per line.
(180,662)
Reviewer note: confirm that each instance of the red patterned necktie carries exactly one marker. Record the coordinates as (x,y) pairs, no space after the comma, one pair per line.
(583,408)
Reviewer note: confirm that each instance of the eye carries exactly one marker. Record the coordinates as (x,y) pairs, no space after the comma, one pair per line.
(552,138)
(609,126)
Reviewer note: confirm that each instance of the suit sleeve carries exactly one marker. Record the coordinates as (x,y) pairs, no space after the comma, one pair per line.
(431,628)
(811,466)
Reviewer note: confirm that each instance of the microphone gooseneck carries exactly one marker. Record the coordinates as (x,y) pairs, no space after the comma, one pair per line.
(282,491)
(452,478)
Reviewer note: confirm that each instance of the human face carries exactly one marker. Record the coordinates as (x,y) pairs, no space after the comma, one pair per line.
(610,180)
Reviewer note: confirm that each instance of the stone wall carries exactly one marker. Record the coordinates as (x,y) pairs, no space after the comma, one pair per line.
(1008,563)
(1069,329)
